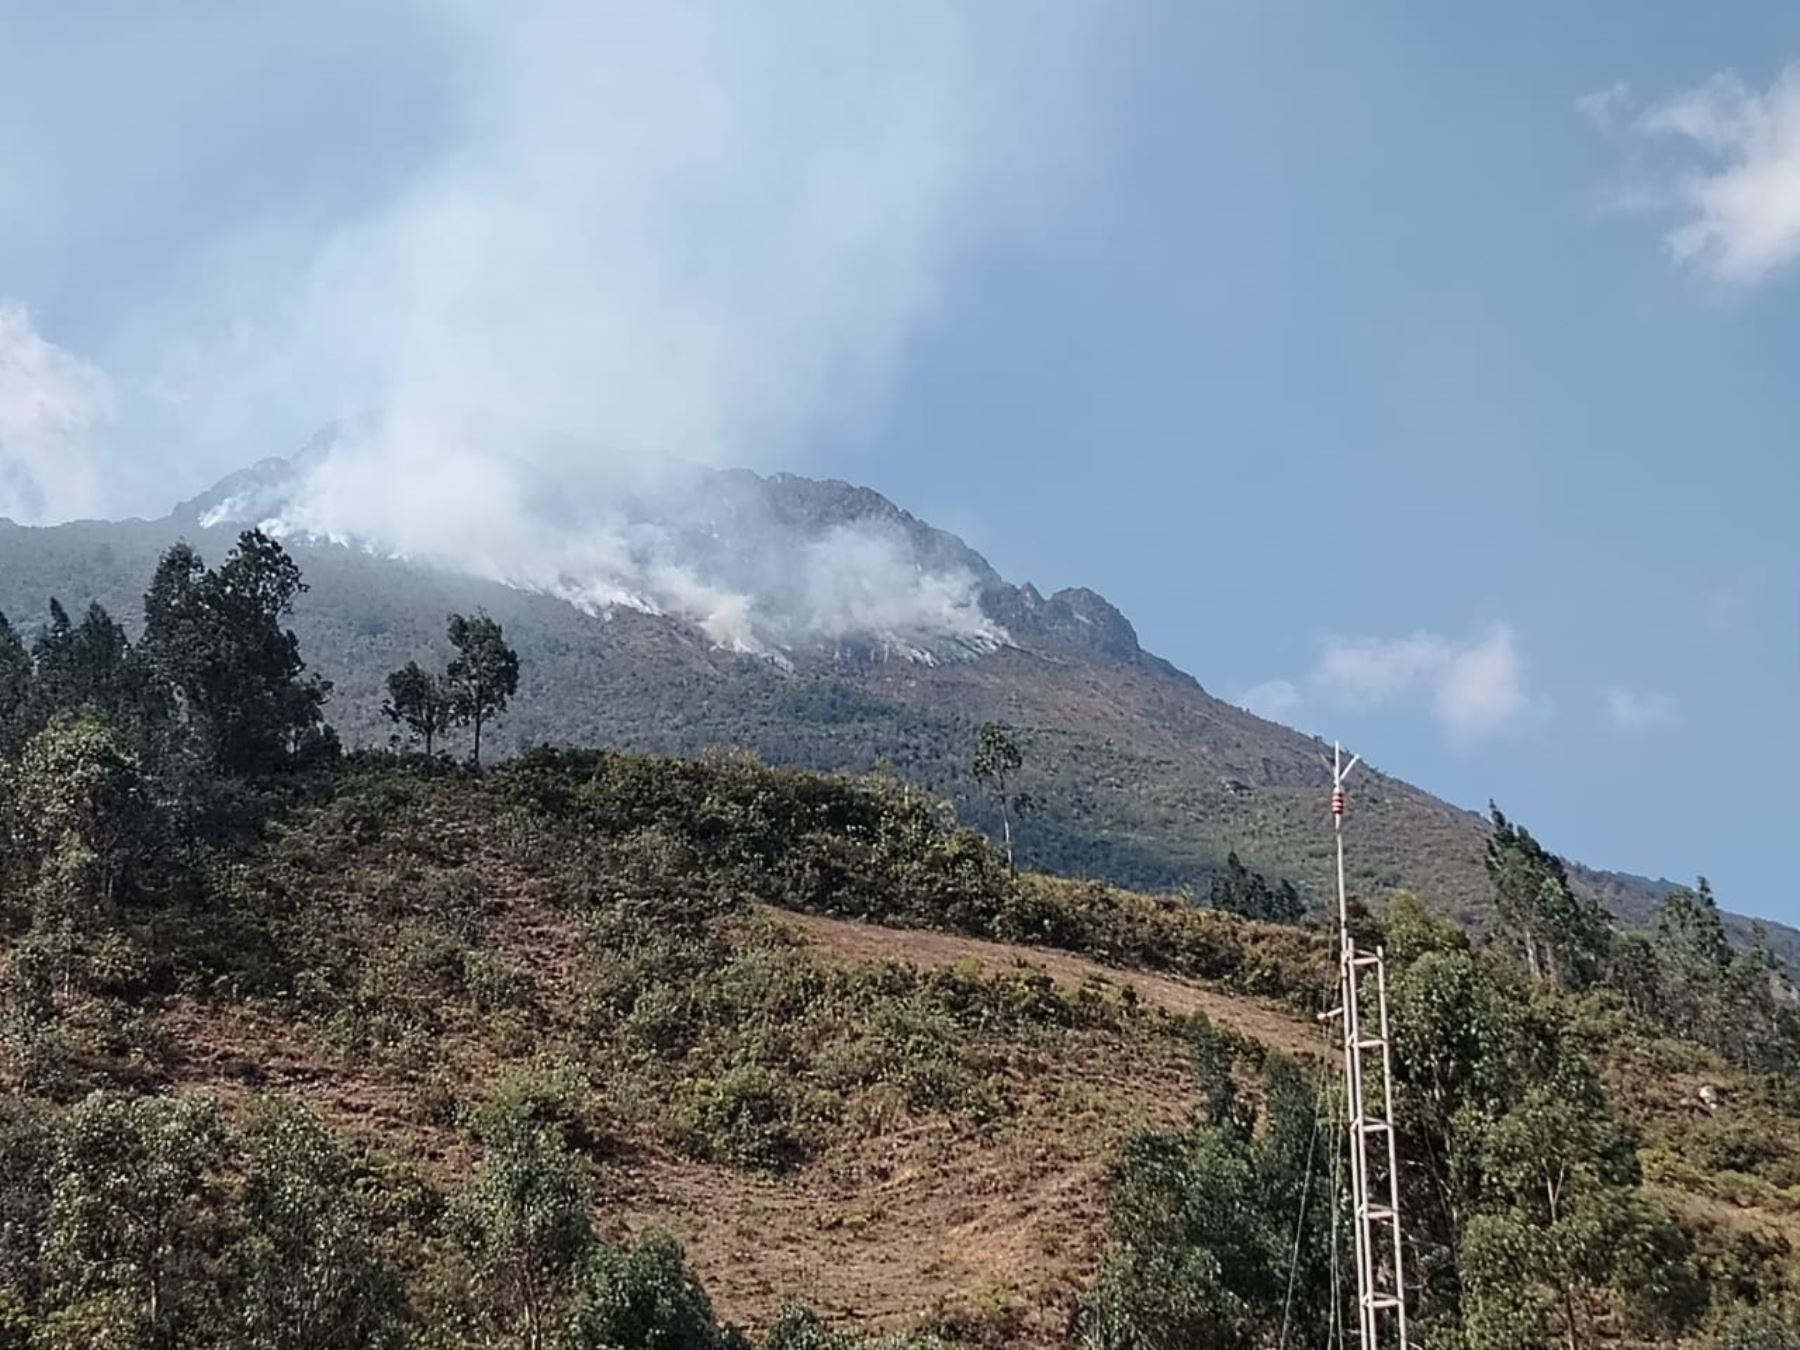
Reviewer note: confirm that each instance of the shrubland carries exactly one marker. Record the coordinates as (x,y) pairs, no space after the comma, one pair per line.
(312,1049)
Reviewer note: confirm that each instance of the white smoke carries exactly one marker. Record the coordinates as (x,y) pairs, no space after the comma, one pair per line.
(669,234)
(50,401)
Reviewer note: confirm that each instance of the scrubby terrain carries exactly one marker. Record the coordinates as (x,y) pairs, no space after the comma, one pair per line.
(827,1043)
(598,1049)
(1142,777)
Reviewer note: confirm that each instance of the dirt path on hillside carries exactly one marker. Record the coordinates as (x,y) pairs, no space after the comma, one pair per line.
(862,942)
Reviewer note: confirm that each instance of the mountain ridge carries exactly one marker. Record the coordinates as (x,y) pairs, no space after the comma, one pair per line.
(1147,778)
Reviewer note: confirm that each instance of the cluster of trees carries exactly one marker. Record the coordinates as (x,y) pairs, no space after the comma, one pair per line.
(145,1222)
(471,691)
(1238,890)
(124,1229)
(127,767)
(1524,1208)
(1686,976)
(216,681)
(117,759)
(1221,1234)
(1526,1223)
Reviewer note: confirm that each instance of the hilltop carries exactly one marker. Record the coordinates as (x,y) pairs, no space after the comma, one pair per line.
(1144,778)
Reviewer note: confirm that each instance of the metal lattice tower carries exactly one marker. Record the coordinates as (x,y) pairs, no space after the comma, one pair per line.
(1374,1160)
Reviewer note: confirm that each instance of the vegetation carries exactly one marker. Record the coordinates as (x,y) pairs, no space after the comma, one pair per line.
(997,760)
(476,688)
(304,1049)
(1221,1234)
(484,675)
(422,703)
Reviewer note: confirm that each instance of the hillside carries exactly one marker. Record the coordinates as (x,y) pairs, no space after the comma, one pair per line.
(1144,779)
(829,1045)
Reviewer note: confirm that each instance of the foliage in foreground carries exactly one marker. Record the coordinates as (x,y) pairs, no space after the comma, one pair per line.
(173,822)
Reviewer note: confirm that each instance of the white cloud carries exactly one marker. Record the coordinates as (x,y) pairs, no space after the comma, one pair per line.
(50,400)
(1474,688)
(1603,106)
(1273,699)
(1741,207)
(1633,710)
(1481,688)
(1368,671)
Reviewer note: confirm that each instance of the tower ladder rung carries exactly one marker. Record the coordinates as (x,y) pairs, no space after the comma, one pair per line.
(1369,1111)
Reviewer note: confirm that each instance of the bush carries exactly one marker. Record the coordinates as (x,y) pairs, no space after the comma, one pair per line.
(311,1277)
(799,1328)
(136,1231)
(524,1223)
(1747,1329)
(643,1296)
(748,1116)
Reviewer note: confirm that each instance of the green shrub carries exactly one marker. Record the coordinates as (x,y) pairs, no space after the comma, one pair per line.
(1748,1329)
(524,1223)
(798,1327)
(749,1116)
(310,1275)
(136,1224)
(643,1295)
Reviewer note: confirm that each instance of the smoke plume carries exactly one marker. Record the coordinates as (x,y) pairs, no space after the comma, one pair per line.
(665,236)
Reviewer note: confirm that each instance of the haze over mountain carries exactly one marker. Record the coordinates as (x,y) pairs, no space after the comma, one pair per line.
(818,624)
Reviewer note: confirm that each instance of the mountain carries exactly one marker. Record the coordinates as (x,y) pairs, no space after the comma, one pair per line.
(820,625)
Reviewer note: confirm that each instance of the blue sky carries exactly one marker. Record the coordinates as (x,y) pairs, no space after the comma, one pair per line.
(1420,374)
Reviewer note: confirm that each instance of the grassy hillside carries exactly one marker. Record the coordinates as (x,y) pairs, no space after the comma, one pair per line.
(802,1024)
(1144,779)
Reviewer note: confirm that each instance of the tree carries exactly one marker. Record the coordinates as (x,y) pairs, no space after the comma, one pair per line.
(216,638)
(1739,1003)
(421,702)
(1562,1217)
(1563,937)
(1191,1259)
(15,688)
(1220,1235)
(997,758)
(1522,1197)
(27,1146)
(84,797)
(1238,890)
(643,1295)
(485,673)
(1762,1028)
(311,1276)
(91,666)
(524,1224)
(1693,958)
(135,1228)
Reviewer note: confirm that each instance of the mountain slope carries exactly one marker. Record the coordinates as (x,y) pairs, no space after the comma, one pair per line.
(1144,778)
(678,969)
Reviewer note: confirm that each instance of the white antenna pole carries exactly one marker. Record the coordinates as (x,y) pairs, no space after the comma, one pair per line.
(1380,1282)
